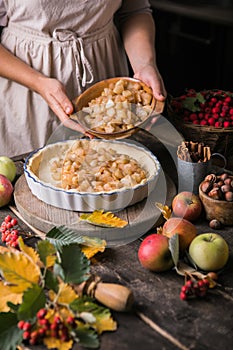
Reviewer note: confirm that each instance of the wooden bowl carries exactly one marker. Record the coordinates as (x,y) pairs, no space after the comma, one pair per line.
(95,91)
(217,209)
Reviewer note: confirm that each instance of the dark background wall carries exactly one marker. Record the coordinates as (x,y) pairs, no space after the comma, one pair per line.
(194,41)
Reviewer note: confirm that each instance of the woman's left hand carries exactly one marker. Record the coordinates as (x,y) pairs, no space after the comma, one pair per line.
(150,75)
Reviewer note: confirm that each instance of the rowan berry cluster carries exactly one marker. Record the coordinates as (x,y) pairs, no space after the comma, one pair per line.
(10,231)
(33,334)
(215,109)
(194,288)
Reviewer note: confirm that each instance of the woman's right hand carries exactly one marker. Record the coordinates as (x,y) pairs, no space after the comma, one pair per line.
(53,92)
(50,89)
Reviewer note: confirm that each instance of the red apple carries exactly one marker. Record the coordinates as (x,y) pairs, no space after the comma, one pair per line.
(184,228)
(187,205)
(209,251)
(6,190)
(154,253)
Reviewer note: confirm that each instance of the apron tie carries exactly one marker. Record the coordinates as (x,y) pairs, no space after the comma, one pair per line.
(79,54)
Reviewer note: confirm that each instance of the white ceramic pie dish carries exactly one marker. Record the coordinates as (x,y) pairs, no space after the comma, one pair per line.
(45,188)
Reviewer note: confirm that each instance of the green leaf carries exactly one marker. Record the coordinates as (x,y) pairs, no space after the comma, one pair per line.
(33,300)
(51,281)
(192,103)
(61,236)
(13,307)
(174,248)
(46,250)
(86,307)
(88,304)
(10,334)
(75,265)
(87,337)
(58,271)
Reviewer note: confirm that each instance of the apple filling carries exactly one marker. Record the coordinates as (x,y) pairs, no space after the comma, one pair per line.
(97,169)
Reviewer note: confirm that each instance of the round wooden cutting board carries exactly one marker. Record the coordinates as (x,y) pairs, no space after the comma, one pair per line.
(141,217)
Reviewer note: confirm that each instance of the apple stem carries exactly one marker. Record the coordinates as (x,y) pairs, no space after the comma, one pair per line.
(209,239)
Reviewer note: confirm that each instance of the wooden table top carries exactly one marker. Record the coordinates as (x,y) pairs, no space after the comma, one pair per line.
(159,319)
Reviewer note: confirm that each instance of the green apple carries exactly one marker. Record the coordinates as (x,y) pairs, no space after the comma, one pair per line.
(209,251)
(7,167)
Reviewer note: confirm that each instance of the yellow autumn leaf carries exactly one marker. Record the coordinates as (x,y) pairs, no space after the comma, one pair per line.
(104,219)
(165,210)
(160,230)
(50,260)
(104,323)
(18,270)
(29,251)
(91,251)
(4,249)
(6,295)
(54,343)
(65,294)
(62,311)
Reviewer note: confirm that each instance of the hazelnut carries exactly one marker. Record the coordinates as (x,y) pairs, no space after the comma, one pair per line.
(229,196)
(220,183)
(215,193)
(211,177)
(225,188)
(228,181)
(215,224)
(216,185)
(224,176)
(206,186)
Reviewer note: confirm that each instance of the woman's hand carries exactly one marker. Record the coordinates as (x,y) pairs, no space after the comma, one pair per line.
(150,75)
(53,92)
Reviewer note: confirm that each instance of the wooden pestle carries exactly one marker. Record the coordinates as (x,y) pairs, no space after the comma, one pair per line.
(112,295)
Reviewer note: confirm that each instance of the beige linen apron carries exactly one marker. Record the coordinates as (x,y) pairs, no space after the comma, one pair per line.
(73,41)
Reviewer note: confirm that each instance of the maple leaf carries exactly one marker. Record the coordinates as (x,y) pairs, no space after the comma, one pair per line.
(19,271)
(103,219)
(7,295)
(165,210)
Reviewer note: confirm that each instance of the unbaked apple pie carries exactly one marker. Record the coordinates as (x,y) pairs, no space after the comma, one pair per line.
(90,166)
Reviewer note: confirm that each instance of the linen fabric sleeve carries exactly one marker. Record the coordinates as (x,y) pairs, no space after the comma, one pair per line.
(3,14)
(132,7)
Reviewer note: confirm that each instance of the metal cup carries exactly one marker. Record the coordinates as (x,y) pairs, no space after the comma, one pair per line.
(190,174)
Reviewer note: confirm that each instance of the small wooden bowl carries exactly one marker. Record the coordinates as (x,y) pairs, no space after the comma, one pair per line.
(217,209)
(95,91)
